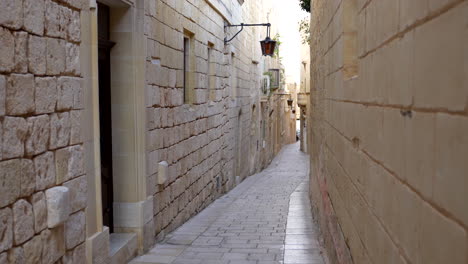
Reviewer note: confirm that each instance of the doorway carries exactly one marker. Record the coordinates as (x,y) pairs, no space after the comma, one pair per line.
(238,149)
(105,115)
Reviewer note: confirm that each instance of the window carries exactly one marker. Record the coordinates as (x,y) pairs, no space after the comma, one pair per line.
(188,68)
(275,78)
(254,77)
(233,76)
(211,74)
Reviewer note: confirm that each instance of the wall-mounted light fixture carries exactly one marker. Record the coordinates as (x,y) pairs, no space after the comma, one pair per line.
(290,103)
(268,45)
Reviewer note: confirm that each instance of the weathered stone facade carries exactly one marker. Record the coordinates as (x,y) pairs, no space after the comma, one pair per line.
(303,99)
(174,149)
(213,142)
(389,129)
(40,96)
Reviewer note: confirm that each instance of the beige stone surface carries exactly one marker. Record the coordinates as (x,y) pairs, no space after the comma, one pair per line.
(72,59)
(52,19)
(435,5)
(412,11)
(75,256)
(40,46)
(98,247)
(450,181)
(419,146)
(10,182)
(76,118)
(80,4)
(6,228)
(7,41)
(34,16)
(2,94)
(38,135)
(74,27)
(69,163)
(1,139)
(162,172)
(435,69)
(55,56)
(20,94)
(78,193)
(27,178)
(11,14)
(75,230)
(60,129)
(44,165)
(14,136)
(53,247)
(21,49)
(69,93)
(23,221)
(16,255)
(65,22)
(58,205)
(148,235)
(33,250)
(386,147)
(45,94)
(38,201)
(37,48)
(442,240)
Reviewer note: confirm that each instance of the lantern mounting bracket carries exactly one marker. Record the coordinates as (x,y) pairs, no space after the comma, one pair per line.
(242,25)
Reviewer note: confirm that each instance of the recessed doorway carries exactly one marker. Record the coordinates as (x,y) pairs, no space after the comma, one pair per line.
(105,115)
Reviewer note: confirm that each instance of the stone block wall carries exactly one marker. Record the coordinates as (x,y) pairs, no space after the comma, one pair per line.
(210,140)
(42,179)
(50,185)
(389,129)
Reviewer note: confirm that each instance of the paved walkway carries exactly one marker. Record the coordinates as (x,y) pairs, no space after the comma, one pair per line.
(265,219)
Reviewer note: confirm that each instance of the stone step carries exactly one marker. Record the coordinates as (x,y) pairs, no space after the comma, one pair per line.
(123,247)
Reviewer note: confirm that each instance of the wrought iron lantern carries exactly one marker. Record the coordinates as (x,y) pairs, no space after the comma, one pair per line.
(268,45)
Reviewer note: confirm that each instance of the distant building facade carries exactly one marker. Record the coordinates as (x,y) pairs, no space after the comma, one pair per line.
(121,119)
(303,96)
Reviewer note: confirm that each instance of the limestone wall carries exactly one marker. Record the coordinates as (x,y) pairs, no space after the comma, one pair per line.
(389,130)
(50,160)
(213,141)
(40,135)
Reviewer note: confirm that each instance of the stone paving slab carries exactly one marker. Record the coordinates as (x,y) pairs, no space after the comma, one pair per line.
(301,244)
(266,219)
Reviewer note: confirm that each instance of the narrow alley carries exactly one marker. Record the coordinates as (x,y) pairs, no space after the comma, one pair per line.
(233,131)
(265,219)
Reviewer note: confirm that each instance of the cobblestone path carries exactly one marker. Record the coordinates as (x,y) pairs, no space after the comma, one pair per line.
(265,219)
